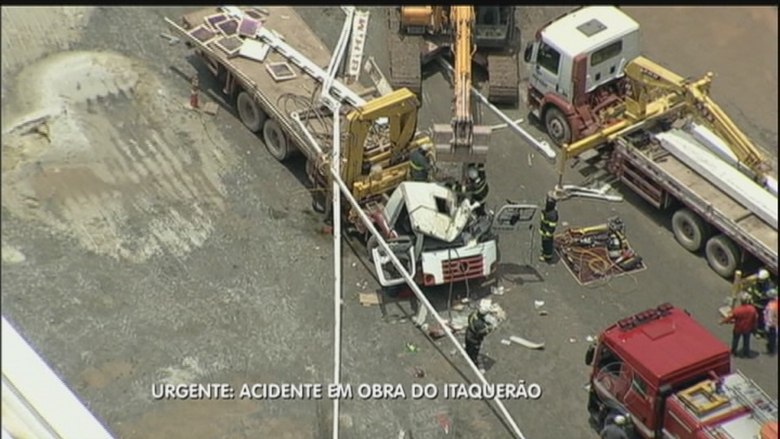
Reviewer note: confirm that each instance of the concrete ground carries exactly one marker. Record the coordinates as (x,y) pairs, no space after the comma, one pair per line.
(144,244)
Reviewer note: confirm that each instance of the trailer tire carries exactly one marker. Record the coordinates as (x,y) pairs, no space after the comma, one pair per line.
(689,230)
(275,141)
(557,126)
(249,112)
(722,255)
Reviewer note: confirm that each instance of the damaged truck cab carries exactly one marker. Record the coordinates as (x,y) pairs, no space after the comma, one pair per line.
(439,238)
(673,379)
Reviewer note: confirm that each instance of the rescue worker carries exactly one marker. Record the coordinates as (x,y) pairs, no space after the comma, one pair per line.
(615,429)
(478,327)
(549,222)
(758,295)
(475,189)
(744,317)
(770,322)
(420,163)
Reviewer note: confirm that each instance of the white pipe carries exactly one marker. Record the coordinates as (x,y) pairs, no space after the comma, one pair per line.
(338,51)
(40,395)
(541,146)
(339,183)
(336,161)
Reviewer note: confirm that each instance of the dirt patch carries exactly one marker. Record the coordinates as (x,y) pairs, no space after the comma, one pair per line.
(223,418)
(100,377)
(97,149)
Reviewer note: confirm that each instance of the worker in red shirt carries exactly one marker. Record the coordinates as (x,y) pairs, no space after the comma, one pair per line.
(745,318)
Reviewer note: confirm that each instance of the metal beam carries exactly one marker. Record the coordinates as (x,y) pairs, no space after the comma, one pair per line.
(337,299)
(38,399)
(338,51)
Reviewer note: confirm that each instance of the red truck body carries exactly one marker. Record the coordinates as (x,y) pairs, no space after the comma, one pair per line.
(673,379)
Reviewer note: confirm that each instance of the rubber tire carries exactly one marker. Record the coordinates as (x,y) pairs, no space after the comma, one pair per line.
(717,248)
(250,113)
(553,116)
(275,141)
(693,241)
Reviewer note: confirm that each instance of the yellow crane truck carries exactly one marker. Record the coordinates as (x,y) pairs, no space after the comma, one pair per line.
(663,136)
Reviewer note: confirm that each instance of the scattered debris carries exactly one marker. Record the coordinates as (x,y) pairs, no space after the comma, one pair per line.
(505,342)
(254,50)
(417,372)
(465,300)
(590,339)
(497,290)
(171,39)
(230,45)
(530,159)
(542,313)
(526,343)
(458,323)
(444,422)
(458,307)
(538,304)
(411,347)
(210,108)
(572,340)
(370,299)
(280,71)
(435,332)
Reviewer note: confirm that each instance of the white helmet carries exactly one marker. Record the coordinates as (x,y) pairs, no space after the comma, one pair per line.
(772,293)
(485,305)
(473,174)
(763,274)
(620,420)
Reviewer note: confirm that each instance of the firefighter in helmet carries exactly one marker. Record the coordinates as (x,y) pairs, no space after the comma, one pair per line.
(475,188)
(547,226)
(421,163)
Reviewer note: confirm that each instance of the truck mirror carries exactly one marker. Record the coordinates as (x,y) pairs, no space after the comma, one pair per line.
(589,355)
(529,49)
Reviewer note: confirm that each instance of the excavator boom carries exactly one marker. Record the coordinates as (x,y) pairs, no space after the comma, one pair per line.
(461,141)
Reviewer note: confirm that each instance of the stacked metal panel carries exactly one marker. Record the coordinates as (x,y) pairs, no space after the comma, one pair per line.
(730,180)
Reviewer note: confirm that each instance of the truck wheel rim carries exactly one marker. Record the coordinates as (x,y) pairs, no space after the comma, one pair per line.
(721,256)
(687,229)
(556,128)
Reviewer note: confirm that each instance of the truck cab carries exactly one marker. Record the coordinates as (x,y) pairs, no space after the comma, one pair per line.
(439,238)
(572,62)
(673,379)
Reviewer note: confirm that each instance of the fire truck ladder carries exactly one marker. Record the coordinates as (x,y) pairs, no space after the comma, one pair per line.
(748,393)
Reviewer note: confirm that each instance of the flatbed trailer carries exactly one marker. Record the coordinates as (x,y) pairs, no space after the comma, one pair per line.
(276,99)
(657,176)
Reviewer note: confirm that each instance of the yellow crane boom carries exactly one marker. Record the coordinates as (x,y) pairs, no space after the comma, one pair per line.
(656,92)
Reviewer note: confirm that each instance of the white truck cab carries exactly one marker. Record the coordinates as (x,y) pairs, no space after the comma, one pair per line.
(435,233)
(576,54)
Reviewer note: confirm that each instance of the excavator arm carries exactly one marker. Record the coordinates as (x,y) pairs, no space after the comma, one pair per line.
(656,92)
(462,18)
(400,109)
(461,141)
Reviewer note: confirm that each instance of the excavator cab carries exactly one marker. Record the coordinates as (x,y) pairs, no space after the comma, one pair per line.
(494,27)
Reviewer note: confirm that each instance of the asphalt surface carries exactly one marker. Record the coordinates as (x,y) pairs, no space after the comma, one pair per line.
(196,258)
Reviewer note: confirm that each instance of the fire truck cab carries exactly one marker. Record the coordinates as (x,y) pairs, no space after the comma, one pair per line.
(673,379)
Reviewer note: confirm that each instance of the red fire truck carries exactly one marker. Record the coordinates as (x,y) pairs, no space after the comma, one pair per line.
(672,378)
